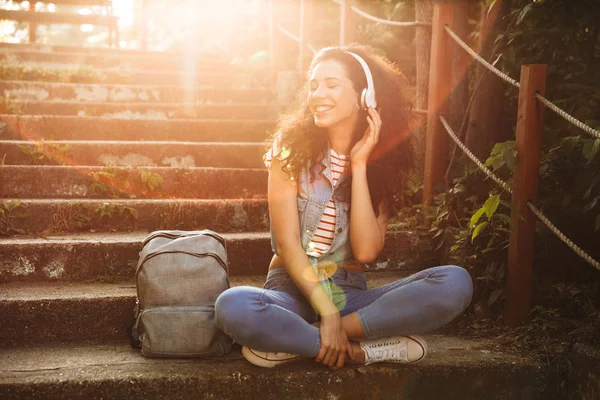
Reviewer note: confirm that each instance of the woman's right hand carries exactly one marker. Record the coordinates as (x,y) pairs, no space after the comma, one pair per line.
(334,342)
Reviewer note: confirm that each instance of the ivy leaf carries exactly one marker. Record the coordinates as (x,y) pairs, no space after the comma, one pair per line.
(491,205)
(476,216)
(12,204)
(478,229)
(590,149)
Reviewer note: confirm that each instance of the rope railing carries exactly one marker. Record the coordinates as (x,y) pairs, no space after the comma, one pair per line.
(562,113)
(373,18)
(294,37)
(481,60)
(538,213)
(568,117)
(472,156)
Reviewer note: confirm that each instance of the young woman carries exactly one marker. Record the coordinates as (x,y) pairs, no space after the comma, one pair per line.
(336,168)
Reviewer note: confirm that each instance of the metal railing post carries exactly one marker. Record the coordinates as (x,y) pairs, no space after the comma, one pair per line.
(302,43)
(438,103)
(347,23)
(306,13)
(144,26)
(272,71)
(525,188)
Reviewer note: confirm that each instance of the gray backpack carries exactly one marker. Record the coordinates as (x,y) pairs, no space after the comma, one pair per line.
(179,276)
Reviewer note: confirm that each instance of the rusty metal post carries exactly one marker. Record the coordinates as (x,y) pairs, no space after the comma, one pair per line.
(347,23)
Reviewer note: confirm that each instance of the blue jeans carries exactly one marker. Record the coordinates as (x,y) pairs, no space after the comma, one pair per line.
(278,318)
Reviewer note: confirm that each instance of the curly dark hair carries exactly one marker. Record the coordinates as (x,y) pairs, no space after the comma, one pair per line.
(391,161)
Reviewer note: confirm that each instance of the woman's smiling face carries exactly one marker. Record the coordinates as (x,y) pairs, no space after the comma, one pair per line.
(332,99)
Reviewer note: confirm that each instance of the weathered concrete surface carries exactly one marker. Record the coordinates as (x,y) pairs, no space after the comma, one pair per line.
(54,48)
(142,60)
(37,127)
(154,110)
(36,312)
(25,90)
(584,373)
(46,181)
(456,369)
(222,215)
(79,74)
(133,153)
(113,256)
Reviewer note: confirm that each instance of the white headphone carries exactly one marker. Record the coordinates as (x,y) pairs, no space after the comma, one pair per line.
(367,97)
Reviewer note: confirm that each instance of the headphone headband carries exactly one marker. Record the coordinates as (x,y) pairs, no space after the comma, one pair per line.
(367,98)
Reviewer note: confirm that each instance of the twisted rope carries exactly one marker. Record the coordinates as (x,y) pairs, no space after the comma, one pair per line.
(533,209)
(370,17)
(477,57)
(473,158)
(567,116)
(294,37)
(562,237)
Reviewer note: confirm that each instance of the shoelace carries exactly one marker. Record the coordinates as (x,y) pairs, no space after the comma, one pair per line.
(392,351)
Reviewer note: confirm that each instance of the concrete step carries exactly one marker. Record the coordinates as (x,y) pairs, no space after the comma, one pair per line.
(82,74)
(52,48)
(152,110)
(103,128)
(37,311)
(455,369)
(112,257)
(26,90)
(133,153)
(49,181)
(157,61)
(59,215)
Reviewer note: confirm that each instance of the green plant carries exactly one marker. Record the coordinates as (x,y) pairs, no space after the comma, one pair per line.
(113,215)
(44,153)
(151,180)
(7,106)
(82,74)
(69,217)
(110,182)
(9,210)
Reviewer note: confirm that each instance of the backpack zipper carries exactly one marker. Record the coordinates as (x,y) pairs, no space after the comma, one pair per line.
(176,236)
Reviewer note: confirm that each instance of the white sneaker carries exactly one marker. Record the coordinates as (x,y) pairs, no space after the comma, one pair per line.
(396,349)
(268,359)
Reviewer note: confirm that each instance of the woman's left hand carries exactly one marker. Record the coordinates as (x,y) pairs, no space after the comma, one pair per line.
(359,154)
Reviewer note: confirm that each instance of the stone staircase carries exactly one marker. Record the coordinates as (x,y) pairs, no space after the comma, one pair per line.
(88,169)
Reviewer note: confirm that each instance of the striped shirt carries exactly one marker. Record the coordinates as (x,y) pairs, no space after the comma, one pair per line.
(323,237)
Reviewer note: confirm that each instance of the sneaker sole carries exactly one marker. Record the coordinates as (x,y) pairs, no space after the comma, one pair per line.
(261,361)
